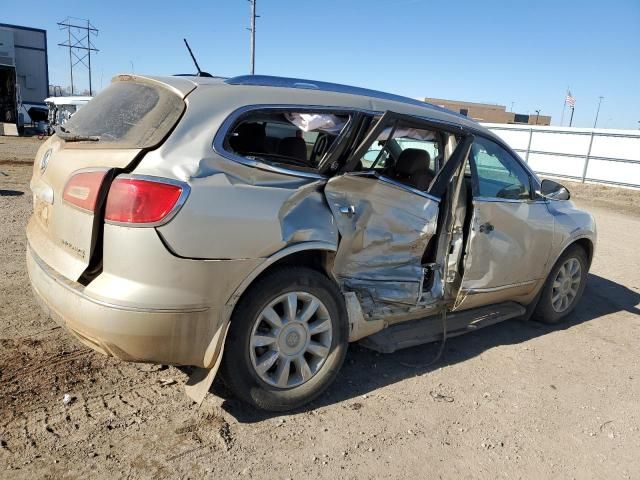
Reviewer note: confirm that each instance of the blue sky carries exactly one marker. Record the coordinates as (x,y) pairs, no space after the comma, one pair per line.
(484,51)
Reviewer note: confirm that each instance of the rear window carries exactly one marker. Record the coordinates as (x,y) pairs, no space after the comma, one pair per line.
(127,114)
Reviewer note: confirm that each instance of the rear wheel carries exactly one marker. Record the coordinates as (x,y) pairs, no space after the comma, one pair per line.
(564,286)
(287,339)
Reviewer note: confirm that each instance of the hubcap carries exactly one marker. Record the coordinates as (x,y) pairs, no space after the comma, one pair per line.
(290,340)
(566,285)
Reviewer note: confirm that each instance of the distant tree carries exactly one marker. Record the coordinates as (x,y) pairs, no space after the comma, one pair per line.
(60,91)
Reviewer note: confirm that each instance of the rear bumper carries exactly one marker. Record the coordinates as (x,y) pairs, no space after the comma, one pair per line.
(182,336)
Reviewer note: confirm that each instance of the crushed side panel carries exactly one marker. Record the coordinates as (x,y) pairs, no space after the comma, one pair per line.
(382,242)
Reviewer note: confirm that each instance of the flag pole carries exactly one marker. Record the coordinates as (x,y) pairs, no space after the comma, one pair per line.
(564,106)
(571,119)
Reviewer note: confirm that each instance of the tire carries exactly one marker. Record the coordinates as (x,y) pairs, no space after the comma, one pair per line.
(551,309)
(246,351)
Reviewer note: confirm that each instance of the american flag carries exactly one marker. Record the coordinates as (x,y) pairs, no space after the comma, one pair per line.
(570,100)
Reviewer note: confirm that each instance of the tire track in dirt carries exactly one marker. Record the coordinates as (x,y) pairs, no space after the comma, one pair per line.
(105,393)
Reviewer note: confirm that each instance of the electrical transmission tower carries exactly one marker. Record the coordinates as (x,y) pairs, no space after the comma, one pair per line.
(79,44)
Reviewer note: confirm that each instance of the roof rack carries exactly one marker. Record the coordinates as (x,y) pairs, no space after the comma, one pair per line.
(285,82)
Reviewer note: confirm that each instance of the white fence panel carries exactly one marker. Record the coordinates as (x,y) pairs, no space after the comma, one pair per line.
(599,155)
(560,143)
(517,139)
(627,148)
(614,172)
(556,165)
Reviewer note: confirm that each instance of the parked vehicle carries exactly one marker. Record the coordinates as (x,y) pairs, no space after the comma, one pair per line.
(60,109)
(262,223)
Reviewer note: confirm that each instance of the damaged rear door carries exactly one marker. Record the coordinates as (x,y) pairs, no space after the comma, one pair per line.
(385,224)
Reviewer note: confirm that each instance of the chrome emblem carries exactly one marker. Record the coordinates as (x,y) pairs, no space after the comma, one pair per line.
(292,339)
(44,161)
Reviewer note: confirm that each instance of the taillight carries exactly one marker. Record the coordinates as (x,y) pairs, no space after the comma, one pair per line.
(82,189)
(141,201)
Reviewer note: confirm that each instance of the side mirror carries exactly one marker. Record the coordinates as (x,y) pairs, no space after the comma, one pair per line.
(554,190)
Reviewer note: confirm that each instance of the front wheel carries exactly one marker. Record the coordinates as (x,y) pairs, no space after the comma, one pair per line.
(287,339)
(564,286)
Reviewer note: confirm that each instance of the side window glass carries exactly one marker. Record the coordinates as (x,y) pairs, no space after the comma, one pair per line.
(298,140)
(499,174)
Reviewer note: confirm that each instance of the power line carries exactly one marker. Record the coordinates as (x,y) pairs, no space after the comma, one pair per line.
(80,45)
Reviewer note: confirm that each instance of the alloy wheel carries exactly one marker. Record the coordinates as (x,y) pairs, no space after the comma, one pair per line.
(290,340)
(566,285)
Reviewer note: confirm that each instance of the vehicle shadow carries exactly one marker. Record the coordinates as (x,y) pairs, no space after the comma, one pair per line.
(365,371)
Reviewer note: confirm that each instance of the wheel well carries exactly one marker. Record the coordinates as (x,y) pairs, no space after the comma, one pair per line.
(587,246)
(314,259)
(319,260)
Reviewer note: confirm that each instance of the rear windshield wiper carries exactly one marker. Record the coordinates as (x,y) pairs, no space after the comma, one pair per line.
(68,136)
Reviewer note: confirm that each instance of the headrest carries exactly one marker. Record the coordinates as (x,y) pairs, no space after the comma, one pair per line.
(413,160)
(294,147)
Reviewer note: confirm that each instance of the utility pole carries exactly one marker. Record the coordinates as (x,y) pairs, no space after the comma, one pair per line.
(70,62)
(597,111)
(80,46)
(89,55)
(252,29)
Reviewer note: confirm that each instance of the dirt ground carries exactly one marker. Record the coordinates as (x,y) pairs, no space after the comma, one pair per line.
(516,400)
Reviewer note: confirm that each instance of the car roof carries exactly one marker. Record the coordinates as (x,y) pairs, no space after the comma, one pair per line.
(298,84)
(266,89)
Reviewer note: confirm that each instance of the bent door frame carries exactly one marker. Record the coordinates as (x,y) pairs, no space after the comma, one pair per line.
(385,225)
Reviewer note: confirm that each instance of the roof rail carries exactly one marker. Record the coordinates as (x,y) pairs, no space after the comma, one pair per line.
(285,82)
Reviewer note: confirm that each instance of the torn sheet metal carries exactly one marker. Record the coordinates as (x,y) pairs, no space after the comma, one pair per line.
(359,327)
(304,217)
(385,230)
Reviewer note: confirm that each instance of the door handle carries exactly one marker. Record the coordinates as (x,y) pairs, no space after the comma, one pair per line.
(486,228)
(348,211)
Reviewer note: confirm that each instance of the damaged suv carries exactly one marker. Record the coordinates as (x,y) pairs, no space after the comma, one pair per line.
(258,224)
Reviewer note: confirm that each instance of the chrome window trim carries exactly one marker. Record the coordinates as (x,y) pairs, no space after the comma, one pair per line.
(476,291)
(382,178)
(223,130)
(506,200)
(221,134)
(184,194)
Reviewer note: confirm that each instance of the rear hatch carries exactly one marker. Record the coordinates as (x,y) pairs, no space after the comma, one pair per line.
(73,170)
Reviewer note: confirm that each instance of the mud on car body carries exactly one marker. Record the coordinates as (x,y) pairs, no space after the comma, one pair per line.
(259,224)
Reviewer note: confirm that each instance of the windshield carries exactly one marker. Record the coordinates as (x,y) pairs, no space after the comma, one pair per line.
(126,114)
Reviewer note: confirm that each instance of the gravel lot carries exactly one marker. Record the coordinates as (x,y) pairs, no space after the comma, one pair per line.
(516,400)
